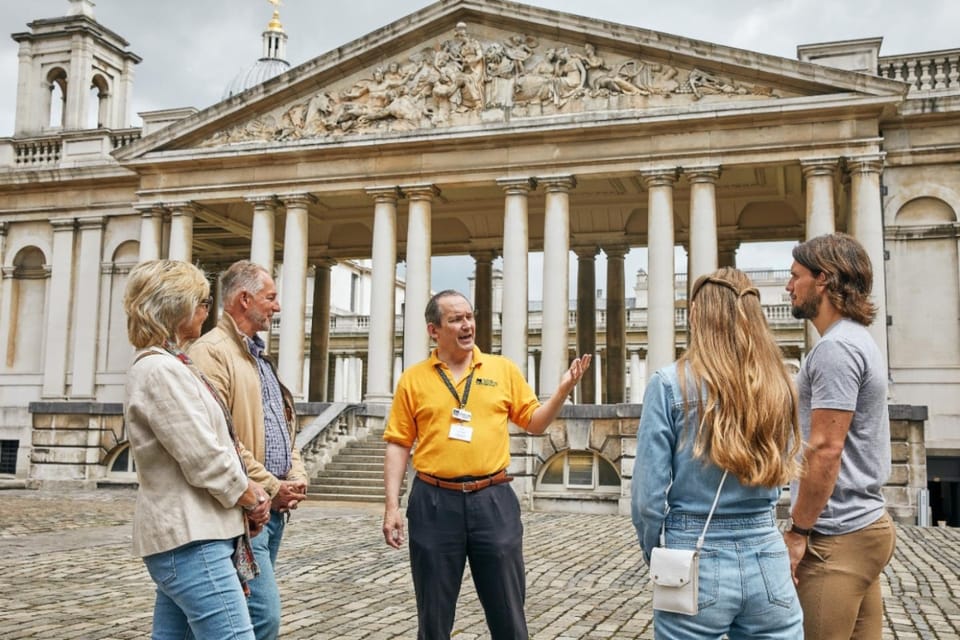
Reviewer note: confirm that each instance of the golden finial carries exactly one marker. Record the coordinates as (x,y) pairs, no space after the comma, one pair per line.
(275,20)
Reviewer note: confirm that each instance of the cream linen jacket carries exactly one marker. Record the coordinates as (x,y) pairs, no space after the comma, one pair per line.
(189,472)
(223,356)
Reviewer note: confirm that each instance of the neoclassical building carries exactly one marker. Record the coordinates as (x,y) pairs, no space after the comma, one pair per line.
(487,129)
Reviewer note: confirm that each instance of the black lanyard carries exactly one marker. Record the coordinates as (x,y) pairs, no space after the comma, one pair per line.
(466,389)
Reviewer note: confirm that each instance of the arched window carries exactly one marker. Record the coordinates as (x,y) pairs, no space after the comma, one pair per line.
(579,471)
(57,98)
(99,112)
(28,298)
(122,464)
(118,345)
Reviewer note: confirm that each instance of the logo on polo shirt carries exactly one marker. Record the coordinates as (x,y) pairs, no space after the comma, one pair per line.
(486,382)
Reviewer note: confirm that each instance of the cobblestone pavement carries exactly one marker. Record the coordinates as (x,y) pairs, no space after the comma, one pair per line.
(68,573)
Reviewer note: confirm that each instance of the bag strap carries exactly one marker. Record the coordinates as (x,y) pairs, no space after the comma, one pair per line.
(703,534)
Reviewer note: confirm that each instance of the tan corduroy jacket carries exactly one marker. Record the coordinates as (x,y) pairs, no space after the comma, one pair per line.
(223,357)
(189,472)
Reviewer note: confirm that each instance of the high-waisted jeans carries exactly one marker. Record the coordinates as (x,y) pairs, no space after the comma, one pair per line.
(746,590)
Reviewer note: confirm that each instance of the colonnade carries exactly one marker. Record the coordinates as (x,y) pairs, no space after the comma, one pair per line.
(705,253)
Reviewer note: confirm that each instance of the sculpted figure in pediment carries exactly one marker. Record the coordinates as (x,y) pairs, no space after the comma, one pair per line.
(464,80)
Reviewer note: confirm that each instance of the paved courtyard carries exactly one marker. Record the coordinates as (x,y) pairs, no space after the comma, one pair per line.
(68,573)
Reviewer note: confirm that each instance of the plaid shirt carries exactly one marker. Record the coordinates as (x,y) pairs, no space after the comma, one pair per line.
(278,459)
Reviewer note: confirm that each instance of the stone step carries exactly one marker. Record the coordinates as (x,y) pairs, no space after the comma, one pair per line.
(349,456)
(354,481)
(371,467)
(338,490)
(345,497)
(347,474)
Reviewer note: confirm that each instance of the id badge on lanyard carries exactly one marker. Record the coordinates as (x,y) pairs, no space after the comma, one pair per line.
(460,428)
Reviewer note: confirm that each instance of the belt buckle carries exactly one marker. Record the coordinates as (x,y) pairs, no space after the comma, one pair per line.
(473,486)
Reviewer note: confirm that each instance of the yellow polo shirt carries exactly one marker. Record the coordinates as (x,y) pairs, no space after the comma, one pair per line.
(422,412)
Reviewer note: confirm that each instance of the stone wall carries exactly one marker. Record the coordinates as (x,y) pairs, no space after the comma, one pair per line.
(74,443)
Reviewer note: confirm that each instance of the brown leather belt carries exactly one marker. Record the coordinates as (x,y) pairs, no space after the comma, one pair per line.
(468,486)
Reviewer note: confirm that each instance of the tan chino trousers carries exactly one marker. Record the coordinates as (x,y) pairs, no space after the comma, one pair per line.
(839,582)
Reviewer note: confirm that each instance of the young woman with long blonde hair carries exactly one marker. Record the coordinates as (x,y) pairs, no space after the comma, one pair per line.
(727,404)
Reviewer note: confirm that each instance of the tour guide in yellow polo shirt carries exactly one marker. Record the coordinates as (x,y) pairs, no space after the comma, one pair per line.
(455,406)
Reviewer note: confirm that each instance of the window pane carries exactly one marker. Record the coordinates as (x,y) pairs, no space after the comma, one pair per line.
(607,473)
(580,468)
(554,472)
(121,461)
(8,455)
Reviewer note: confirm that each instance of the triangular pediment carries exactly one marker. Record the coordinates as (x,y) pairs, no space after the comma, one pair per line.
(489,64)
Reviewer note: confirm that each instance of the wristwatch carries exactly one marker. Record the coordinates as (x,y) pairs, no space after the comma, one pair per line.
(800,531)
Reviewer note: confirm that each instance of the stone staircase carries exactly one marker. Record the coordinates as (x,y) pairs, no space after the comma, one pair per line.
(354,474)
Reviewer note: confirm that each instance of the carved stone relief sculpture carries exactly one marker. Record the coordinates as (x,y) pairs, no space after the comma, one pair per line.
(463,81)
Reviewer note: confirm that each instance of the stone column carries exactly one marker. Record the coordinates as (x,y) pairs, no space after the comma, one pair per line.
(819,175)
(181,231)
(320,331)
(703,221)
(293,293)
(727,254)
(661,334)
(216,292)
(262,234)
(556,285)
(821,212)
(587,315)
(616,324)
(383,283)
(416,340)
(636,377)
(58,312)
(88,308)
(513,319)
(866,225)
(483,298)
(151,232)
(339,380)
(532,371)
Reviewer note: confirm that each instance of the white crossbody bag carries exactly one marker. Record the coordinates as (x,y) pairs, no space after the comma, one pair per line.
(674,572)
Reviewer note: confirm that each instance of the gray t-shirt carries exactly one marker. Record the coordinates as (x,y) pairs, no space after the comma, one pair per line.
(845,370)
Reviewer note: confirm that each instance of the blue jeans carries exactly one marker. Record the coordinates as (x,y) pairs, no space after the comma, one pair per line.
(746,590)
(264,600)
(198,593)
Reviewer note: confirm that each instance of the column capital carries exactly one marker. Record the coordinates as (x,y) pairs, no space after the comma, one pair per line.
(558,183)
(63,225)
(662,177)
(586,252)
(616,250)
(384,194)
(149,209)
(297,200)
(424,191)
(186,208)
(812,167)
(262,201)
(323,263)
(517,186)
(865,163)
(488,255)
(4,227)
(90,223)
(702,175)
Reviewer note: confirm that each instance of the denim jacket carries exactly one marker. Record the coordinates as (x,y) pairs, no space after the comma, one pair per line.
(665,451)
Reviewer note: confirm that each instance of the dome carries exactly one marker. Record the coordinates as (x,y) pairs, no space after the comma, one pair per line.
(261,71)
(272,63)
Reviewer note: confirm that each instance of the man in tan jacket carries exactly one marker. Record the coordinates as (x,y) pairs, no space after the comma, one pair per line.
(232,357)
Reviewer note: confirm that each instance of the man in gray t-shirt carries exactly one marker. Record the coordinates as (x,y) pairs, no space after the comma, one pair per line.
(840,537)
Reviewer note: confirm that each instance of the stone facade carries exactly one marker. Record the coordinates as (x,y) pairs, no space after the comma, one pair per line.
(483,129)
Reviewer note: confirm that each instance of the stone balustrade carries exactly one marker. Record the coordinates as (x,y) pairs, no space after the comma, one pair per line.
(932,71)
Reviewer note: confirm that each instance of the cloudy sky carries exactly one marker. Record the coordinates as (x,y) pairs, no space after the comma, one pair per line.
(191,49)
